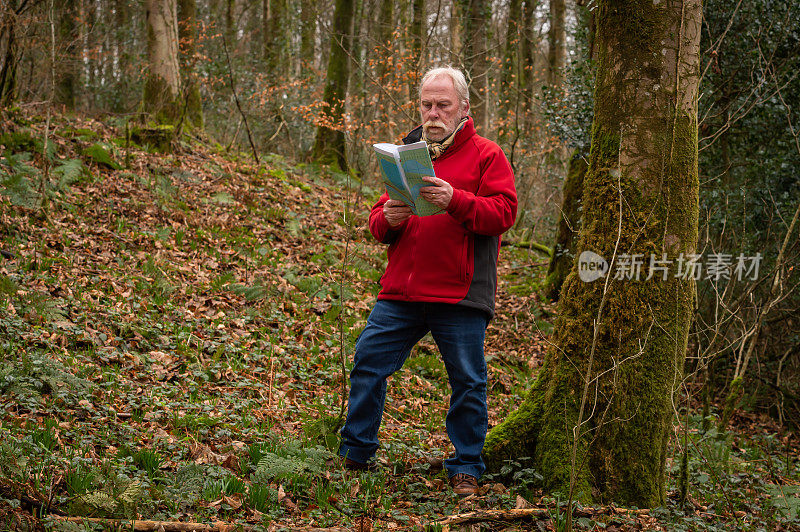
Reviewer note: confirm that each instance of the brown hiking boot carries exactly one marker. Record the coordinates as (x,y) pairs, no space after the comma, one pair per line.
(352,465)
(464,485)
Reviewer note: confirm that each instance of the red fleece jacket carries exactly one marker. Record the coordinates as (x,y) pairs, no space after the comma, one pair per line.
(452,257)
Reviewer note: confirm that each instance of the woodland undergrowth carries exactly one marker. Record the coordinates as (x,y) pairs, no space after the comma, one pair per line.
(172,329)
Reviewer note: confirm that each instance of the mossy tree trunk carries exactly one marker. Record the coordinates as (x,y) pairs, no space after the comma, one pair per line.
(275,39)
(640,196)
(162,81)
(568,226)
(187,33)
(329,146)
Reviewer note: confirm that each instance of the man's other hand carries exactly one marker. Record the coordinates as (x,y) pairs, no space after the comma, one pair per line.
(439,193)
(396,212)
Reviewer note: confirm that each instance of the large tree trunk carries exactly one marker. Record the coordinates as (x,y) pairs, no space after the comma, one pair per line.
(640,196)
(329,146)
(162,81)
(187,32)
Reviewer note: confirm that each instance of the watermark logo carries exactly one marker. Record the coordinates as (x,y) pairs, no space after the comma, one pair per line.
(591,266)
(636,267)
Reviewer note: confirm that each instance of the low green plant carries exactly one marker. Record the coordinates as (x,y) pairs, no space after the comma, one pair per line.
(148,461)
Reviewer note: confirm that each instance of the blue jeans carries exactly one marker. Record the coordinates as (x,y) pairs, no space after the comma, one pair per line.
(393,328)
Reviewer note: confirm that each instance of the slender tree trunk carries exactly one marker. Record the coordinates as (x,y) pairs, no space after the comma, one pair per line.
(329,146)
(187,33)
(475,61)
(527,53)
(385,34)
(557,37)
(162,81)
(457,8)
(308,36)
(274,13)
(68,78)
(510,81)
(8,45)
(599,414)
(417,37)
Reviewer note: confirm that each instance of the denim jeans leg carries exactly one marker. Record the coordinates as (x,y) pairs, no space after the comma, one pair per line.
(392,330)
(460,332)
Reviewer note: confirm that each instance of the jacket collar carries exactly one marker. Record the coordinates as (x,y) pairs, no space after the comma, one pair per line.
(461,137)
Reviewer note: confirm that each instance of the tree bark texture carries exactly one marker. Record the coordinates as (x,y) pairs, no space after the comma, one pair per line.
(187,33)
(329,146)
(162,82)
(640,196)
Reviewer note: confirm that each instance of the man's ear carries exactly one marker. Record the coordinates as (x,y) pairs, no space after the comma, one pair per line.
(465,109)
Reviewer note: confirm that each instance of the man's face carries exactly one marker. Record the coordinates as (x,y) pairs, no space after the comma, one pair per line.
(441,108)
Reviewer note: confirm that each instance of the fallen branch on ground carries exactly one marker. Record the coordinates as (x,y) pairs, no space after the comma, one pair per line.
(531,513)
(530,245)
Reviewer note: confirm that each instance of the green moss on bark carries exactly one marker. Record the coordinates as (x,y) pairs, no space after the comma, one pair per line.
(640,197)
(329,146)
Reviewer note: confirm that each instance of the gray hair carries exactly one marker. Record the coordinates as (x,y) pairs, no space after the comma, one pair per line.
(459,81)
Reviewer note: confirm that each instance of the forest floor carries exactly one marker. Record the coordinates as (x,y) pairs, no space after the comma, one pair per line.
(173,327)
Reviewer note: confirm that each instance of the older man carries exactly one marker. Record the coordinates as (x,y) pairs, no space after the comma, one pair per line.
(441,277)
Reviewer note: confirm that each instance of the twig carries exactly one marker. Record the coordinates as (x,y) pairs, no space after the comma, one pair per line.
(236,98)
(497,515)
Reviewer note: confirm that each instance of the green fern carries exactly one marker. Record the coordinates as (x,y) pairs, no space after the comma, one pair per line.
(291,461)
(18,180)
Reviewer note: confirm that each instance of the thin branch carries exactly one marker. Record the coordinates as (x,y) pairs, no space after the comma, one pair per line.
(236,97)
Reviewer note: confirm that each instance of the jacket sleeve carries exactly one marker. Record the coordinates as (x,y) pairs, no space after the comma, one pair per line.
(493,209)
(378,225)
